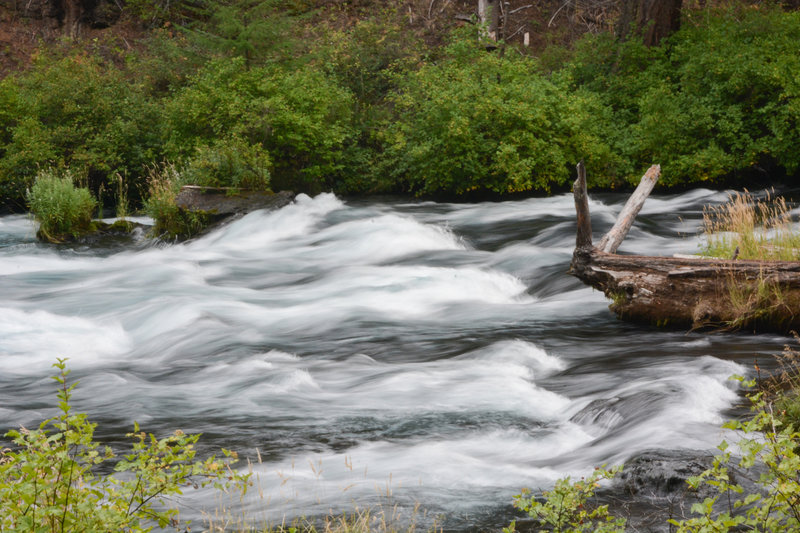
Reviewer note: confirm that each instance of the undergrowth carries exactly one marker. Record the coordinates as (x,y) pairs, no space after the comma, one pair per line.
(50,480)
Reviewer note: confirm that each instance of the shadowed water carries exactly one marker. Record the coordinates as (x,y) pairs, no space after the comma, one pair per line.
(437,352)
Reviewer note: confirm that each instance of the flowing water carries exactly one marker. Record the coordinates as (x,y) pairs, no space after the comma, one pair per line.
(376,352)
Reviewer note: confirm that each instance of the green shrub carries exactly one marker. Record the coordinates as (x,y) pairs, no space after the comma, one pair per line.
(769,451)
(567,508)
(49,480)
(259,31)
(476,121)
(229,162)
(63,210)
(80,113)
(301,119)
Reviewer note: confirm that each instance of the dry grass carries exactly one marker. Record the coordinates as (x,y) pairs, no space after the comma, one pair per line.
(758,229)
(237,515)
(782,387)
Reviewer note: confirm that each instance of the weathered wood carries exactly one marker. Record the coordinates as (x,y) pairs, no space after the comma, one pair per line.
(687,291)
(584,234)
(695,293)
(611,240)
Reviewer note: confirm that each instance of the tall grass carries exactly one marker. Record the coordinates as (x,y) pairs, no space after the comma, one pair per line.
(748,228)
(63,210)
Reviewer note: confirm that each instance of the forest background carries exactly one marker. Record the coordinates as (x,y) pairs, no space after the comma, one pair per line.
(437,98)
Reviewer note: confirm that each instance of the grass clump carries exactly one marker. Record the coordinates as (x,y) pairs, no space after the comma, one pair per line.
(171,222)
(748,228)
(64,211)
(231,162)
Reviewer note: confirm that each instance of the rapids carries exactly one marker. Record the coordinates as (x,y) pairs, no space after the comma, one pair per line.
(376,352)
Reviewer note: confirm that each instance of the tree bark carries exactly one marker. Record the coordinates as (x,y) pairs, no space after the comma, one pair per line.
(489,15)
(695,293)
(653,20)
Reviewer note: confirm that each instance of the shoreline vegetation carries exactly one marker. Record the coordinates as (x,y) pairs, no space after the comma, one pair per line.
(245,95)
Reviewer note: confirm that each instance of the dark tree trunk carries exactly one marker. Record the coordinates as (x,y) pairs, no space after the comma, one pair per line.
(653,20)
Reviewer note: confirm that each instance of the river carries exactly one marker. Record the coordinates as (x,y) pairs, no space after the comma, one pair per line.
(377,352)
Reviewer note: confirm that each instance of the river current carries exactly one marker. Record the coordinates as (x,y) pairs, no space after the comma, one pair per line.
(372,352)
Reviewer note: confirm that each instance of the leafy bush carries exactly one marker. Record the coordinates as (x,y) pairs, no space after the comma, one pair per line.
(479,122)
(301,119)
(769,450)
(80,113)
(567,507)
(63,211)
(229,162)
(49,480)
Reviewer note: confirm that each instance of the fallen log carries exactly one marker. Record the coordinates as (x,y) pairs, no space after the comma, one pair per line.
(685,292)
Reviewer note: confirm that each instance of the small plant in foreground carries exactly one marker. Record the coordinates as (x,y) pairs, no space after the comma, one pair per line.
(768,457)
(49,480)
(63,210)
(566,507)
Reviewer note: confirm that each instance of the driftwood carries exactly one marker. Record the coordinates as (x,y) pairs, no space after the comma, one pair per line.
(684,291)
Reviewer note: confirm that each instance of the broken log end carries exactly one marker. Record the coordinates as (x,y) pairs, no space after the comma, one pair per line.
(583,239)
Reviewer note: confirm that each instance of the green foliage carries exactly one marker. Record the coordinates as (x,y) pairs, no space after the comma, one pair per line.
(171,222)
(566,508)
(259,31)
(79,113)
(368,57)
(479,122)
(63,210)
(716,99)
(766,443)
(300,118)
(49,480)
(229,162)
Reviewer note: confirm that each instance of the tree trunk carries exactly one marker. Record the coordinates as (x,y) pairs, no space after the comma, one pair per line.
(489,16)
(73,12)
(653,20)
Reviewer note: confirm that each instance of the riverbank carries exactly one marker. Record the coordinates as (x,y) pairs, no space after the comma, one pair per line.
(318,98)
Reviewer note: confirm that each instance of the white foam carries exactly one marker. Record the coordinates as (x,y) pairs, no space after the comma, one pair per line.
(30,342)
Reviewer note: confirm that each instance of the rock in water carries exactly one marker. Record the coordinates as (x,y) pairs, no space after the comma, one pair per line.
(224,202)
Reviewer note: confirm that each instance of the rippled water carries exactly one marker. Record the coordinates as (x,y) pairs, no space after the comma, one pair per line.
(436,351)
